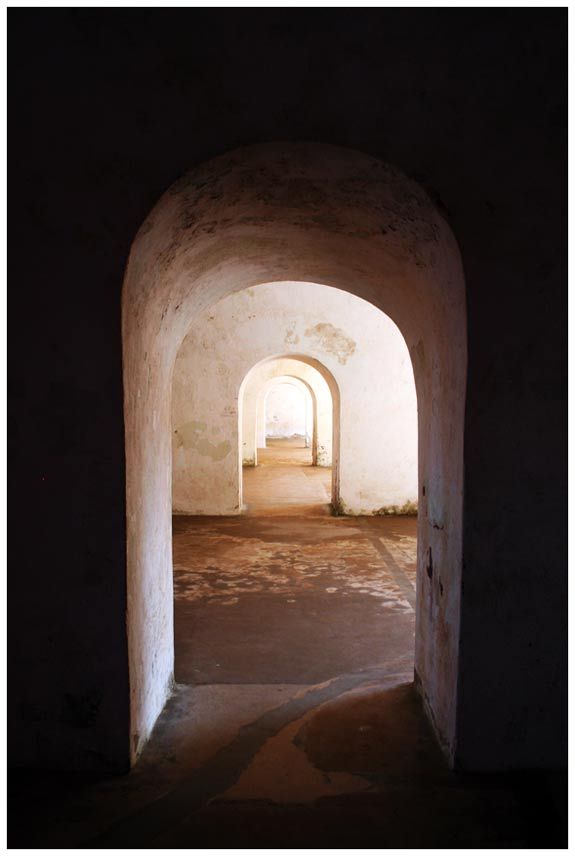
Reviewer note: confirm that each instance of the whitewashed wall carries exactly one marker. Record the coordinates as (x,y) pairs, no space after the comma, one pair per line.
(357,344)
(286,409)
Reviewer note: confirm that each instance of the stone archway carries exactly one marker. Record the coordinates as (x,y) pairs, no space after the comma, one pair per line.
(318,214)
(253,416)
(307,404)
(325,393)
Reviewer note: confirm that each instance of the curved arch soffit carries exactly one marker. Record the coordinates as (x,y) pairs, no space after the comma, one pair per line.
(322,370)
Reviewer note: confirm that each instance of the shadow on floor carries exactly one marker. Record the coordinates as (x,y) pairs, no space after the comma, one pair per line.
(295,722)
(343,765)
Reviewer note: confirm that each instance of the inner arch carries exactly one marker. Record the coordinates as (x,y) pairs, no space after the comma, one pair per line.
(325,396)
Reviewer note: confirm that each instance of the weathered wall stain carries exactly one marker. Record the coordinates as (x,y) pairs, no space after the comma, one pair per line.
(291,337)
(408,508)
(332,339)
(190,435)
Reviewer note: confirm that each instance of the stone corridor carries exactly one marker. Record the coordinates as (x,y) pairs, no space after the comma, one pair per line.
(293,721)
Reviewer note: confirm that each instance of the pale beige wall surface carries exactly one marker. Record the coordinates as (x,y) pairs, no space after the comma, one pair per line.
(360,346)
(286,411)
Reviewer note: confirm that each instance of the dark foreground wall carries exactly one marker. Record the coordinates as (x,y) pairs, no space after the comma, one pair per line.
(107,108)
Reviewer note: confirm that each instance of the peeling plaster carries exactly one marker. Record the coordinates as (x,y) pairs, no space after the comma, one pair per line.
(190,435)
(333,340)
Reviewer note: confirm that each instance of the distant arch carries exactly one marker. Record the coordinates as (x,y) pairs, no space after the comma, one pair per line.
(307,398)
(290,363)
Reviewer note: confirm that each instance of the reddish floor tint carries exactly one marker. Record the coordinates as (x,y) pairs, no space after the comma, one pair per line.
(294,722)
(285,482)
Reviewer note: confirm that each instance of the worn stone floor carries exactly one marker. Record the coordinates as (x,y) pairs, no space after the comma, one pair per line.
(294,721)
(285,482)
(290,451)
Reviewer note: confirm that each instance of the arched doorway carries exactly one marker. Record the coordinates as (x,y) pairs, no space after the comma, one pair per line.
(322,405)
(310,213)
(287,412)
(324,397)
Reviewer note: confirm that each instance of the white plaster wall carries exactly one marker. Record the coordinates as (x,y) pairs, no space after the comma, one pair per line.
(358,344)
(286,411)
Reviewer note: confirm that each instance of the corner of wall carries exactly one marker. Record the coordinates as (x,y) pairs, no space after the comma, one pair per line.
(447,747)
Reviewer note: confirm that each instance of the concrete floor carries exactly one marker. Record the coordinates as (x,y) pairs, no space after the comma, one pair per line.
(294,722)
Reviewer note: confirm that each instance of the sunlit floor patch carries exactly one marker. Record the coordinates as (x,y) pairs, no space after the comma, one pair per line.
(287,599)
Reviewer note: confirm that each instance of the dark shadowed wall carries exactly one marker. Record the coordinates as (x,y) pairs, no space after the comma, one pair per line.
(107,108)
